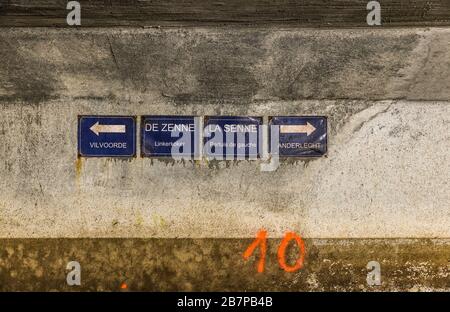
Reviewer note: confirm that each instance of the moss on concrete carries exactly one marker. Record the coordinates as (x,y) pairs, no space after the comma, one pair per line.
(217,264)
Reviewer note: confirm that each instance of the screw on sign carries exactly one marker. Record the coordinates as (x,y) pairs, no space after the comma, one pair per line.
(261,239)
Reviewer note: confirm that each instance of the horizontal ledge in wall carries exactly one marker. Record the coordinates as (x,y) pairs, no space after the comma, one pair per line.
(307,13)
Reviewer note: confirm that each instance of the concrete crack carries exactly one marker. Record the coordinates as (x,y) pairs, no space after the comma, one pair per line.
(113,54)
(357,128)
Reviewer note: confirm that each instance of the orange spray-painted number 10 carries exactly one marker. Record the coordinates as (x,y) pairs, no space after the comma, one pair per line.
(261,240)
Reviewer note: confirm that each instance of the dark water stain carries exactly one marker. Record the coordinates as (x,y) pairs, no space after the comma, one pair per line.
(310,67)
(30,80)
(215,67)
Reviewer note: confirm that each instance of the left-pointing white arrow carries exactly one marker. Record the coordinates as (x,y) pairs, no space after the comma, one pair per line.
(98,128)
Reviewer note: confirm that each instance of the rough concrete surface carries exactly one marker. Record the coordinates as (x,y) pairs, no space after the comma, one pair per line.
(217,265)
(386,174)
(223,65)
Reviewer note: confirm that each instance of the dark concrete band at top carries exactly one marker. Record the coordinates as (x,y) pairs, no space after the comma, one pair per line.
(214,137)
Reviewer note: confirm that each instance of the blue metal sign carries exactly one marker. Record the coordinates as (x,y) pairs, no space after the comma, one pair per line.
(232,137)
(106,136)
(169,136)
(298,136)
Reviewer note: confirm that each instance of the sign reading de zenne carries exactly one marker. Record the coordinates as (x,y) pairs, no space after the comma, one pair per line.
(165,136)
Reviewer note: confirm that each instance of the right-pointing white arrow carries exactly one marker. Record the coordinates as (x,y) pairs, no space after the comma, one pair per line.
(98,128)
(308,128)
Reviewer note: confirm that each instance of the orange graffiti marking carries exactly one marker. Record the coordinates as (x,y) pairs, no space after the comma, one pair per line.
(282,252)
(261,239)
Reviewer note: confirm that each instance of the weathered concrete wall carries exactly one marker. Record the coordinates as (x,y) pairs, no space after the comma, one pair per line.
(385,92)
(140,13)
(217,265)
(386,176)
(223,65)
